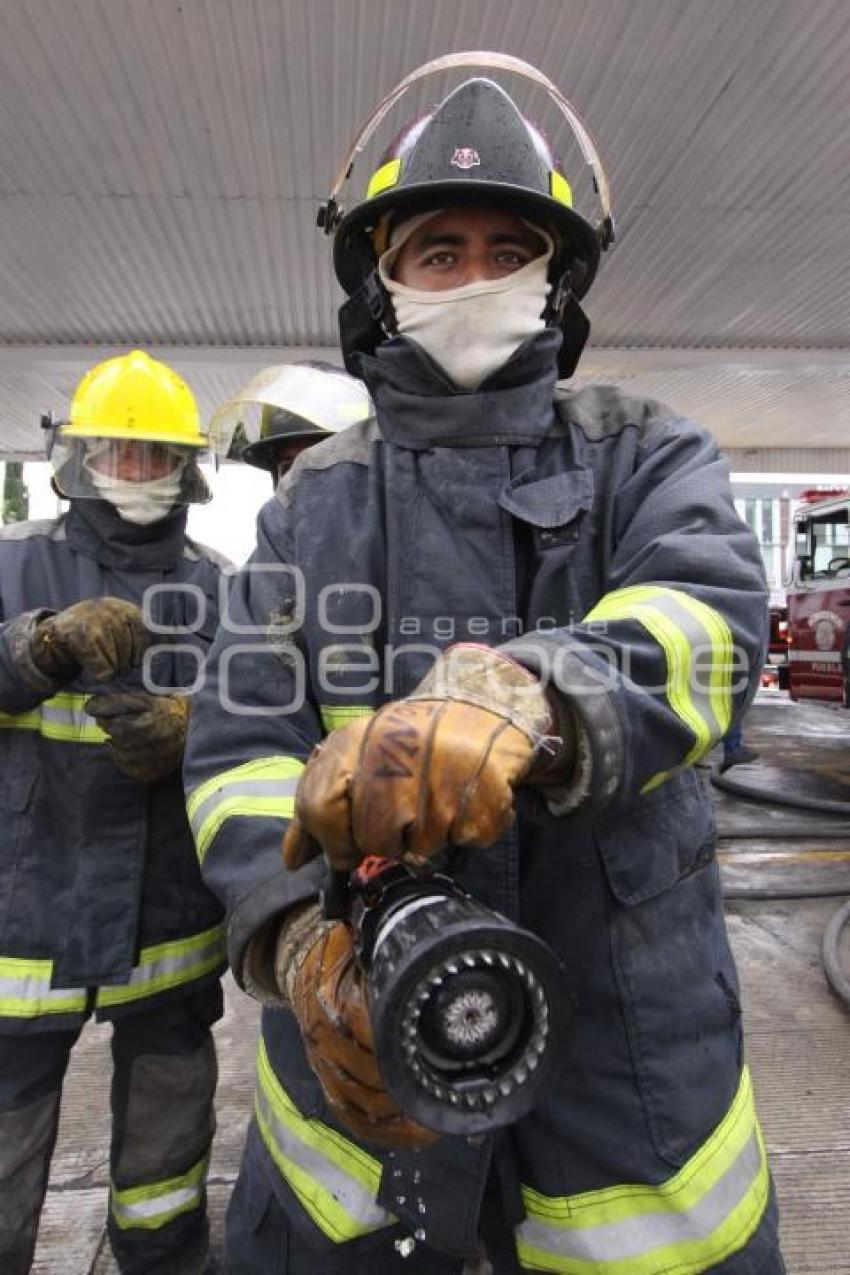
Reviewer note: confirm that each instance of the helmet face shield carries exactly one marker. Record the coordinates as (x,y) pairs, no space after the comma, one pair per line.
(474,148)
(287,401)
(95,467)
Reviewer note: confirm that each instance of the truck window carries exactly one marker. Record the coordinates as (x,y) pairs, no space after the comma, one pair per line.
(830,543)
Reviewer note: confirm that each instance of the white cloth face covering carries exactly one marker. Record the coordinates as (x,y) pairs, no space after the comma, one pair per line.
(472,330)
(141,503)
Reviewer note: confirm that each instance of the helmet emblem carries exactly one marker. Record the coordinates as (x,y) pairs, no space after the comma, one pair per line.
(466,157)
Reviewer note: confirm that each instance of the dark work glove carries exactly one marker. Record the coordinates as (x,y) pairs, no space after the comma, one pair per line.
(103,637)
(146,732)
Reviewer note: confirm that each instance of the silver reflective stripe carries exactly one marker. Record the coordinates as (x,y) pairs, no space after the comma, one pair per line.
(25,990)
(168,965)
(68,715)
(62,717)
(144,1210)
(157,1203)
(682,626)
(347,1192)
(637,1236)
(272,787)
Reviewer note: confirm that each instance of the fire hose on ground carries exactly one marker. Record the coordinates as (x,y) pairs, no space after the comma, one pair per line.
(831,946)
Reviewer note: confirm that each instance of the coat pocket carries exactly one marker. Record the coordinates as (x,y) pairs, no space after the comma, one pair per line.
(657,840)
(673,967)
(551,506)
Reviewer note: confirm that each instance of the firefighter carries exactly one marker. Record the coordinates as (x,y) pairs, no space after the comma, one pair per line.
(102,907)
(500,597)
(285,409)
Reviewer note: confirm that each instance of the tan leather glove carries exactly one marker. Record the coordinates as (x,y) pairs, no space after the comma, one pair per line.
(147,733)
(433,770)
(103,637)
(319,977)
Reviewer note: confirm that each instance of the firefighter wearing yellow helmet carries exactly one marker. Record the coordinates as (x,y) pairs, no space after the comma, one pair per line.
(107,612)
(132,437)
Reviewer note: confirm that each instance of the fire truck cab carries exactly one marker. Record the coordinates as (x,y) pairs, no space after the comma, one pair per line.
(819,600)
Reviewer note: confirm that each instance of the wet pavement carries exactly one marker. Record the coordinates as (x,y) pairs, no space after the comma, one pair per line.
(797,1032)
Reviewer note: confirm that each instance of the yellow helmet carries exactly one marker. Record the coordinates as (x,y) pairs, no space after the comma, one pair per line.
(135,397)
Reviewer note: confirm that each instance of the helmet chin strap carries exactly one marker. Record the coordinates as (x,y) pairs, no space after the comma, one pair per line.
(367,318)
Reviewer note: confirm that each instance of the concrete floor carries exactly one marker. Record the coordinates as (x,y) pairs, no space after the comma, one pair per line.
(798,1035)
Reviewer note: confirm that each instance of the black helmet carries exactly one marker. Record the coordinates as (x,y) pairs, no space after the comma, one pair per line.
(475,148)
(277,426)
(308,399)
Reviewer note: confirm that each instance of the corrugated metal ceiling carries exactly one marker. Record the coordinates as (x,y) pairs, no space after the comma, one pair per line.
(161,164)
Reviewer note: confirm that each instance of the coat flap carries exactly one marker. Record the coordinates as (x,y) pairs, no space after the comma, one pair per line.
(658,840)
(549,502)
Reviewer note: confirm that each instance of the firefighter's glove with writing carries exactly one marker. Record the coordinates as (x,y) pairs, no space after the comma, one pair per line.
(318,976)
(433,770)
(102,637)
(146,733)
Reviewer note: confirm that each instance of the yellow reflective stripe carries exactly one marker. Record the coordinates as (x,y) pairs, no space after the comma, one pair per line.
(559,188)
(384,177)
(61,717)
(20,721)
(264,787)
(677,651)
(170,964)
(25,990)
(720,636)
(335,715)
(655,607)
(158,1203)
(334,1180)
(686,1225)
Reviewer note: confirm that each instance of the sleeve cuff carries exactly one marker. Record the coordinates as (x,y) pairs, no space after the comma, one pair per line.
(253,915)
(19,633)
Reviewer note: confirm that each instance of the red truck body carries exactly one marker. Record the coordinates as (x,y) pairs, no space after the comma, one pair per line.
(819,600)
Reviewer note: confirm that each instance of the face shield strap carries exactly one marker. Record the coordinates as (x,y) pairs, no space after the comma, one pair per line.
(194,488)
(51,429)
(563,311)
(379,303)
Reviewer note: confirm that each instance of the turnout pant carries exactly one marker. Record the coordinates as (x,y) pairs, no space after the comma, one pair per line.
(163,1084)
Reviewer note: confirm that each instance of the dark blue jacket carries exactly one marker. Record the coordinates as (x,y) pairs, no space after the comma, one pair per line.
(593,537)
(101,899)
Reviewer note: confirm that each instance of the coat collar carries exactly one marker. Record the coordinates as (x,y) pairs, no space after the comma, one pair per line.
(418,407)
(96,530)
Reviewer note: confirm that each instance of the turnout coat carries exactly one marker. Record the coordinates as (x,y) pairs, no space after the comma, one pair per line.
(102,905)
(593,537)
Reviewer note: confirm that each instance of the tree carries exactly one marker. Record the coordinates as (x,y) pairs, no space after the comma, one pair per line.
(16,499)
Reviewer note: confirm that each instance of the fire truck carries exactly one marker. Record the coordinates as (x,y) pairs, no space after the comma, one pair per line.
(819,599)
